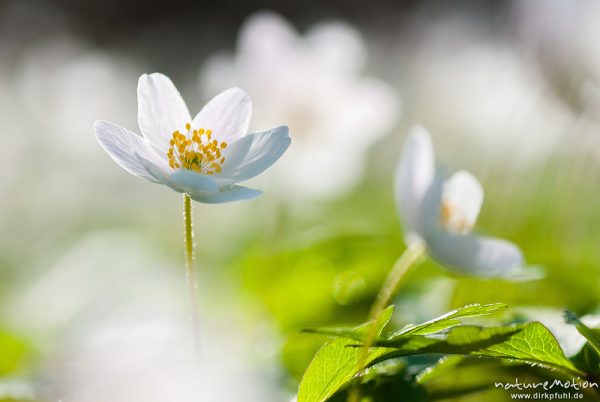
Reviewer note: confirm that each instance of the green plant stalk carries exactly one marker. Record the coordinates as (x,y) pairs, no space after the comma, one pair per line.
(390,287)
(190,272)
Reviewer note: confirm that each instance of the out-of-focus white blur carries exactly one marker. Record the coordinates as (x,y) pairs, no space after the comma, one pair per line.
(315,84)
(113,319)
(560,38)
(478,95)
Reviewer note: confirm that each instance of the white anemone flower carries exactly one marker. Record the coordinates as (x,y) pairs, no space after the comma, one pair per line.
(315,83)
(440,213)
(203,157)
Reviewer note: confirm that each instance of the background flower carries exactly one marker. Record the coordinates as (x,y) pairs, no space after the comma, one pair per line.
(314,83)
(557,37)
(440,213)
(474,86)
(117,329)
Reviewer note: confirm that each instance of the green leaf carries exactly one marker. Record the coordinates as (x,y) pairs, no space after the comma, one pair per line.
(593,336)
(587,360)
(344,332)
(438,324)
(463,340)
(450,319)
(442,369)
(387,381)
(530,343)
(534,344)
(335,364)
(456,376)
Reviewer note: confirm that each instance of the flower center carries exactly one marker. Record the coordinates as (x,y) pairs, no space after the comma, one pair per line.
(453,219)
(196,151)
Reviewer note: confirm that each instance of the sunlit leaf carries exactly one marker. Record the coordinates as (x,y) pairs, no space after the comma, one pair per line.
(450,319)
(438,324)
(335,364)
(530,343)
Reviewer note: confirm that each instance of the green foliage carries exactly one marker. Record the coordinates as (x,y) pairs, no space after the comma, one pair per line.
(334,366)
(533,343)
(530,343)
(387,381)
(13,352)
(449,319)
(463,376)
(588,360)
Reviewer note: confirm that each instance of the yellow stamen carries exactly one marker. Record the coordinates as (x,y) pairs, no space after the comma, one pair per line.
(446,212)
(192,152)
(451,221)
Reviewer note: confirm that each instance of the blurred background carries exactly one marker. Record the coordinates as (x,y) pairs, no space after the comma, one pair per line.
(92,297)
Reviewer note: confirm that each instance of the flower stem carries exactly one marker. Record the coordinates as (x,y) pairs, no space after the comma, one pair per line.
(390,287)
(190,273)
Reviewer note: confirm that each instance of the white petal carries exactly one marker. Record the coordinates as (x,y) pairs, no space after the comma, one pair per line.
(182,180)
(462,198)
(227,194)
(161,110)
(474,255)
(187,181)
(253,154)
(128,149)
(227,115)
(414,176)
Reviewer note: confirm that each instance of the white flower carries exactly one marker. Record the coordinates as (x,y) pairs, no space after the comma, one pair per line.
(52,77)
(106,340)
(205,156)
(315,84)
(441,212)
(130,357)
(561,38)
(480,91)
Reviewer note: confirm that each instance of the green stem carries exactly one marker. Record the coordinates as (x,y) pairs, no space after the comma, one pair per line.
(190,272)
(388,290)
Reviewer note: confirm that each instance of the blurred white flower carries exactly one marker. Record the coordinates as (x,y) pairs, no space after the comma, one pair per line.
(440,213)
(62,84)
(477,89)
(145,359)
(206,161)
(315,84)
(102,271)
(561,38)
(57,86)
(110,319)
